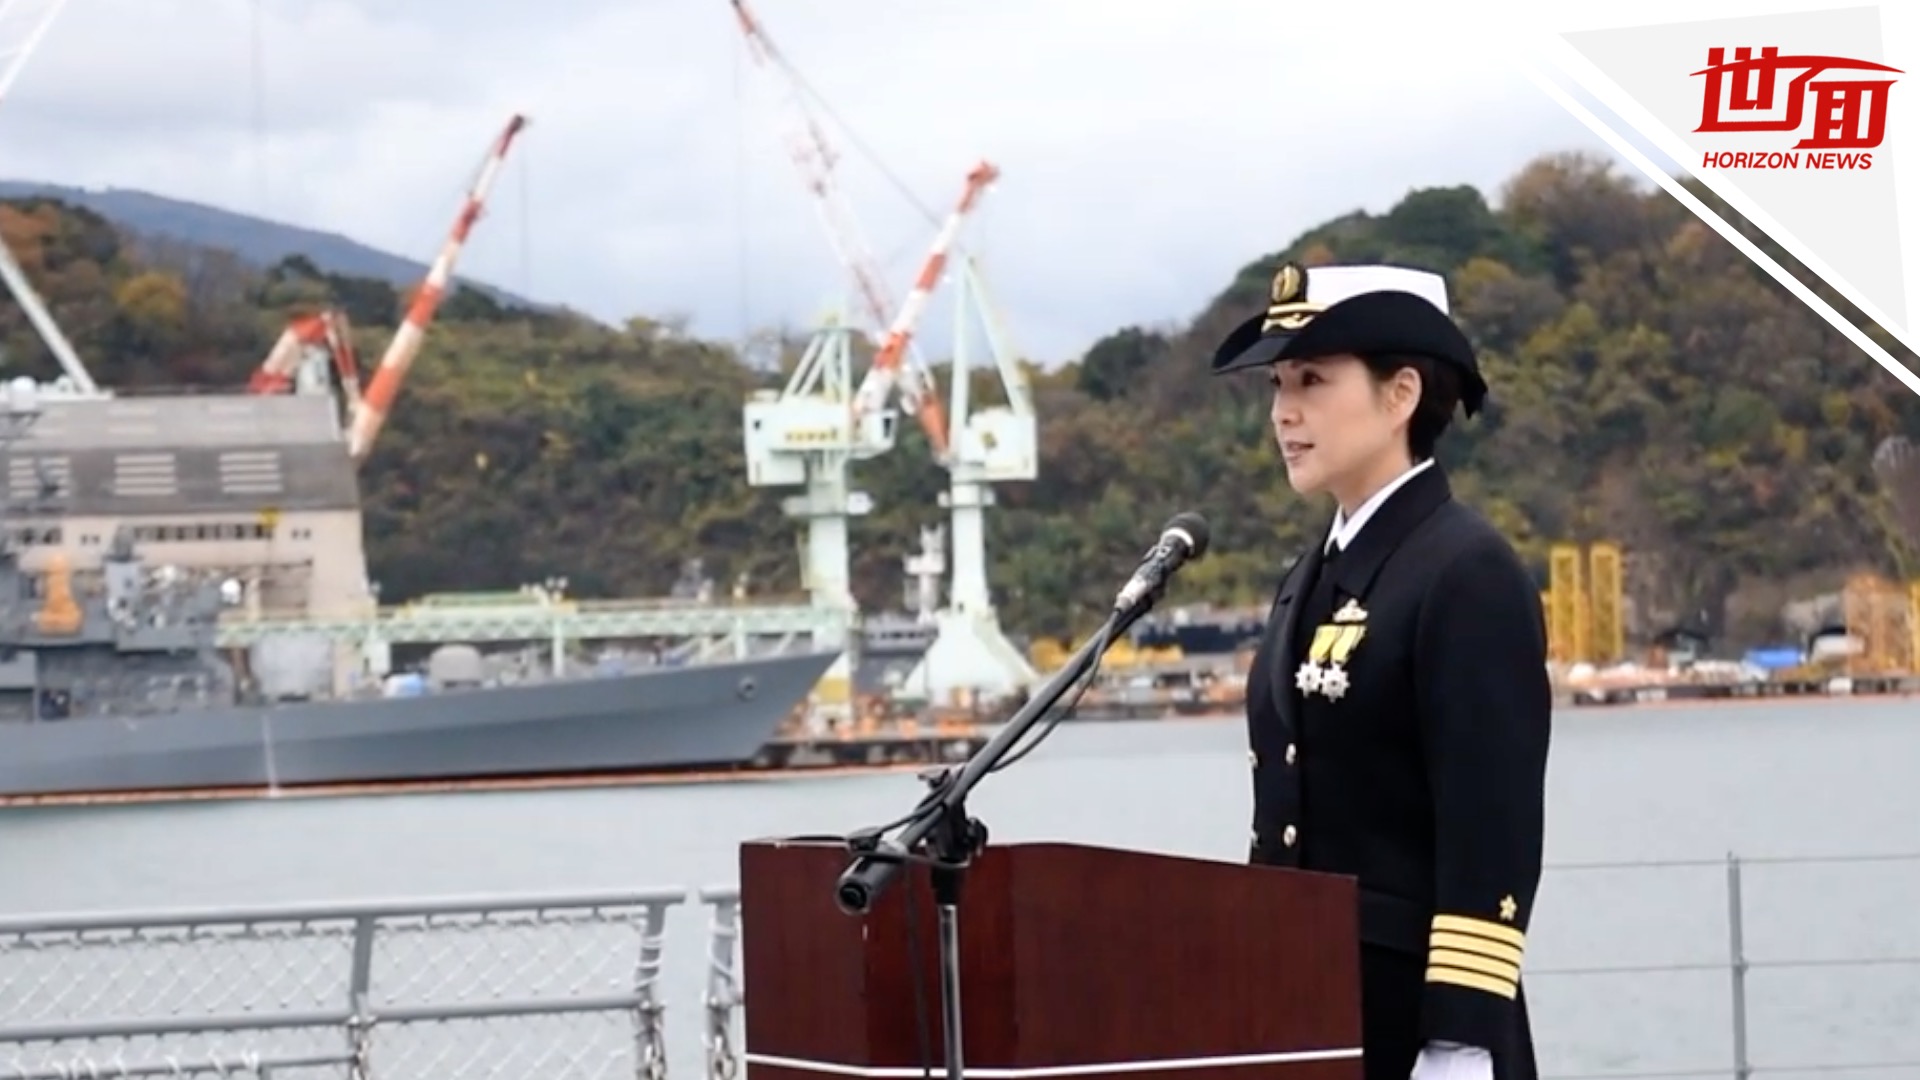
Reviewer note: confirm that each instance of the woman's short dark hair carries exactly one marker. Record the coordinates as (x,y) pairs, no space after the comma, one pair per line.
(1439,396)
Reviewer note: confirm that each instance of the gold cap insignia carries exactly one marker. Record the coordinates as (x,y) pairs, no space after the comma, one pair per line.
(1287,307)
(1289,284)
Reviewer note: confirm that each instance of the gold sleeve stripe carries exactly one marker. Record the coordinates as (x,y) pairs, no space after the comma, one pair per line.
(1472,980)
(1479,946)
(1469,962)
(1461,924)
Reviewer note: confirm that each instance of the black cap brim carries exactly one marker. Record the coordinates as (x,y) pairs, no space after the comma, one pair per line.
(1369,324)
(1246,347)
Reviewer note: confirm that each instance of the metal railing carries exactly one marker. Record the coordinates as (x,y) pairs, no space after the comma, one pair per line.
(723,995)
(594,621)
(571,985)
(391,990)
(1741,961)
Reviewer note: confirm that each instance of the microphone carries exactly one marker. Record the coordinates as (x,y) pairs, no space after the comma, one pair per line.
(940,823)
(1184,537)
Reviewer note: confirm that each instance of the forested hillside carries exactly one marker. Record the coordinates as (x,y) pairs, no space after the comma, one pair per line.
(1650,387)
(258,242)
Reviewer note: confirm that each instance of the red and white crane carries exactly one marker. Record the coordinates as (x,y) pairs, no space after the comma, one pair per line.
(371,411)
(23,26)
(306,350)
(889,365)
(809,434)
(312,343)
(814,155)
(816,158)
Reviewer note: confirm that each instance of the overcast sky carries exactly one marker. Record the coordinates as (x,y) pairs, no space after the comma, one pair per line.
(1145,158)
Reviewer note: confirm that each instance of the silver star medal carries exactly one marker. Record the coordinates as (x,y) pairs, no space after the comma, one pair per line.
(1307,678)
(1333,682)
(1311,677)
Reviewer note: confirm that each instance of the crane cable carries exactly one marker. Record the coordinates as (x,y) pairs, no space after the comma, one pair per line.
(847,132)
(743,235)
(257,94)
(899,184)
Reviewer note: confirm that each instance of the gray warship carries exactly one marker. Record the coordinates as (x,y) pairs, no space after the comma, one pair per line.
(114,678)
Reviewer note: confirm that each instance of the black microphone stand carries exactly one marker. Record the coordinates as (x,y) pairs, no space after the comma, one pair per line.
(941,833)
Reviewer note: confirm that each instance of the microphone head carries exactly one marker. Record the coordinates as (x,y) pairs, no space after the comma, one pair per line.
(1195,527)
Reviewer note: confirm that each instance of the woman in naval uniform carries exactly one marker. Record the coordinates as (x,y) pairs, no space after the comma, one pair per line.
(1398,707)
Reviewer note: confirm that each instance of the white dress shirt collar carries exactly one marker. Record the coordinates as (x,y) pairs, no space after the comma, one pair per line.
(1345,528)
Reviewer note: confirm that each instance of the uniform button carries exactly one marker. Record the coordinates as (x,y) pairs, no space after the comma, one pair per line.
(1290,753)
(1253,758)
(1289,836)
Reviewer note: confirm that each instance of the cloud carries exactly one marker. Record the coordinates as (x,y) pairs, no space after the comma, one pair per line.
(1146,155)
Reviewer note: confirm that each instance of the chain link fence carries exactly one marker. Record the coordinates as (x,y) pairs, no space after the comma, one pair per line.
(413,991)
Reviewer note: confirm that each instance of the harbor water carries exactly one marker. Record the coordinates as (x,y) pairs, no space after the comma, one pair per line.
(1767,781)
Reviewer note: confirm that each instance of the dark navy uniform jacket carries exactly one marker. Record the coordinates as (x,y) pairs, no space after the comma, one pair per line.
(1398,711)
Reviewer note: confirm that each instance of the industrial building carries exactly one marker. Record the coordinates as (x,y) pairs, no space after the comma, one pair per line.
(256,488)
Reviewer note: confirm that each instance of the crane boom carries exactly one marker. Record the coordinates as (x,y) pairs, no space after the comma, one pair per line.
(374,406)
(813,154)
(917,391)
(14,55)
(327,336)
(897,363)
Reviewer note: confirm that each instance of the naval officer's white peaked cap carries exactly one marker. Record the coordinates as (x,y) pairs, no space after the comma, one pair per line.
(1364,310)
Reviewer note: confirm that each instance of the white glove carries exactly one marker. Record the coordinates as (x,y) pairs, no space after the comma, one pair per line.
(1451,1061)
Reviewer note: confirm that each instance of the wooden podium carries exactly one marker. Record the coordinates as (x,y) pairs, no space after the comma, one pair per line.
(1075,961)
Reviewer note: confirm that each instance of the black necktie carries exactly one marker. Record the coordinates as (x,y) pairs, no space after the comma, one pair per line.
(1327,560)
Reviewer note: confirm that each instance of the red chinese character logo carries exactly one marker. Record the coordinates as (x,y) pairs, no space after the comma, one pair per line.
(1848,114)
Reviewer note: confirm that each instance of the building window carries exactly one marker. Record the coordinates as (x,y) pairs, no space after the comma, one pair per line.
(37,535)
(201,532)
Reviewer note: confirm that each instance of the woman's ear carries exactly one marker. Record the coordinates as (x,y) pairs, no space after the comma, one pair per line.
(1406,392)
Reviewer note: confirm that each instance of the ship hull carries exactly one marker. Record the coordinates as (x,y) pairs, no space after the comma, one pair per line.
(710,715)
